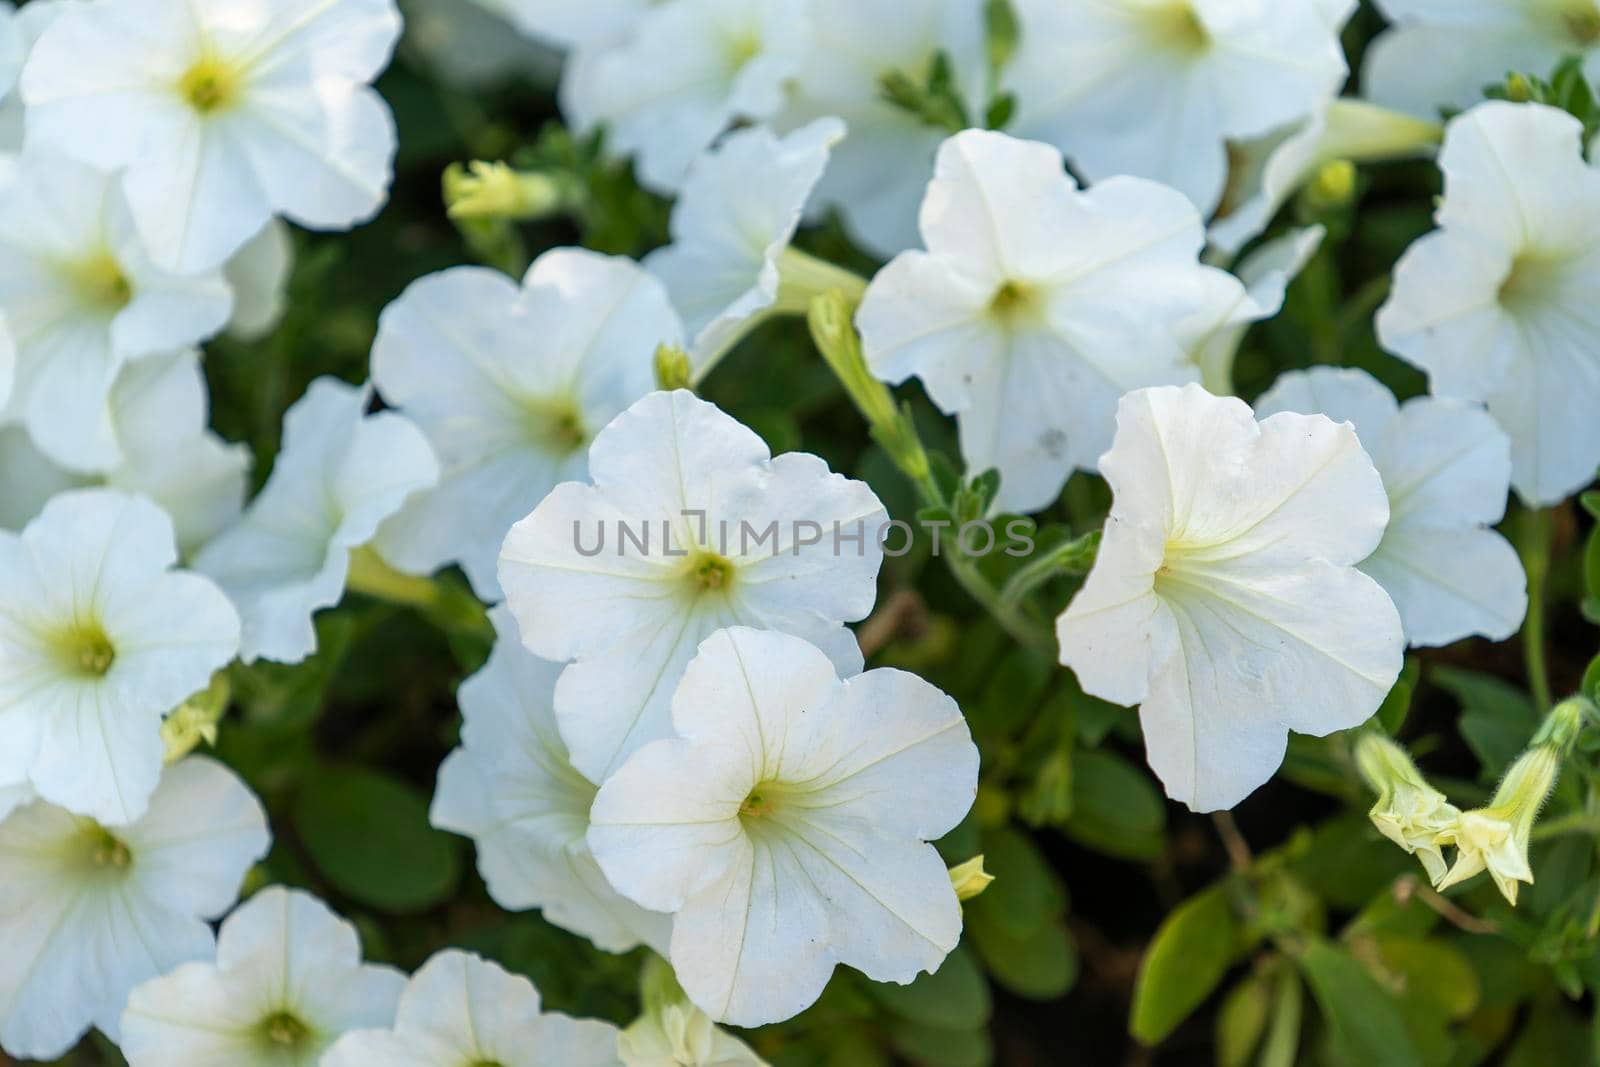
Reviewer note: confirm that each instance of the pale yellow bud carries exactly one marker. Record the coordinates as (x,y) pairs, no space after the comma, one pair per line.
(970,879)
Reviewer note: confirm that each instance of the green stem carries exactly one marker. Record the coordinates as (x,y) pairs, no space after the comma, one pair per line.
(452,608)
(836,339)
(1535,549)
(1578,822)
(1322,292)
(1016,622)
(1073,557)
(1011,616)
(802,278)
(1361,306)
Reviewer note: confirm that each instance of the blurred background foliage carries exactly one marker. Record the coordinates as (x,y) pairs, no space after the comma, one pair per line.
(1121,929)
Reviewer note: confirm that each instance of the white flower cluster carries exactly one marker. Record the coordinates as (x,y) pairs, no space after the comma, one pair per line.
(675,743)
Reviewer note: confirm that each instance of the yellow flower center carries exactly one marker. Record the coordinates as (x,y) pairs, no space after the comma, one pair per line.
(741,48)
(103,850)
(1530,281)
(211,85)
(100,282)
(1177,27)
(761,802)
(86,650)
(709,572)
(556,425)
(283,1029)
(1015,303)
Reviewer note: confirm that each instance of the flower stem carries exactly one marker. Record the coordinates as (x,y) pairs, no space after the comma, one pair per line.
(802,278)
(449,607)
(1578,822)
(1073,557)
(840,345)
(1535,549)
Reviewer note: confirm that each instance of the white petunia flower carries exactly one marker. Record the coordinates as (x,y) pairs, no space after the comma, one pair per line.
(511,787)
(685,72)
(878,173)
(159,414)
(19,29)
(460,1010)
(13,50)
(691,525)
(1269,171)
(340,474)
(8,363)
(731,229)
(221,114)
(1037,306)
(83,299)
(1439,54)
(288,981)
(99,639)
(1447,469)
(13,797)
(785,826)
(1497,304)
(1155,88)
(259,275)
(28,479)
(510,385)
(1225,600)
(1213,334)
(575,25)
(88,912)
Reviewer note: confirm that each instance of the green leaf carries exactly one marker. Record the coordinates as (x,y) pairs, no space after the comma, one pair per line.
(1552,1037)
(1497,718)
(1591,679)
(1347,862)
(1392,712)
(1026,895)
(935,1047)
(1041,966)
(1242,1021)
(1364,1022)
(1115,807)
(369,835)
(290,699)
(1192,950)
(1433,973)
(955,997)
(1282,1046)
(1011,697)
(1563,867)
(1003,31)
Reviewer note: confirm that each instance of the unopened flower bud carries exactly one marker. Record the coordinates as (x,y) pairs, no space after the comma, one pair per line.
(485,190)
(970,879)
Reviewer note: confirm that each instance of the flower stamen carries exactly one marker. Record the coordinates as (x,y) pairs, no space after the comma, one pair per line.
(284,1029)
(710,573)
(86,650)
(556,425)
(211,85)
(103,850)
(101,283)
(1176,26)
